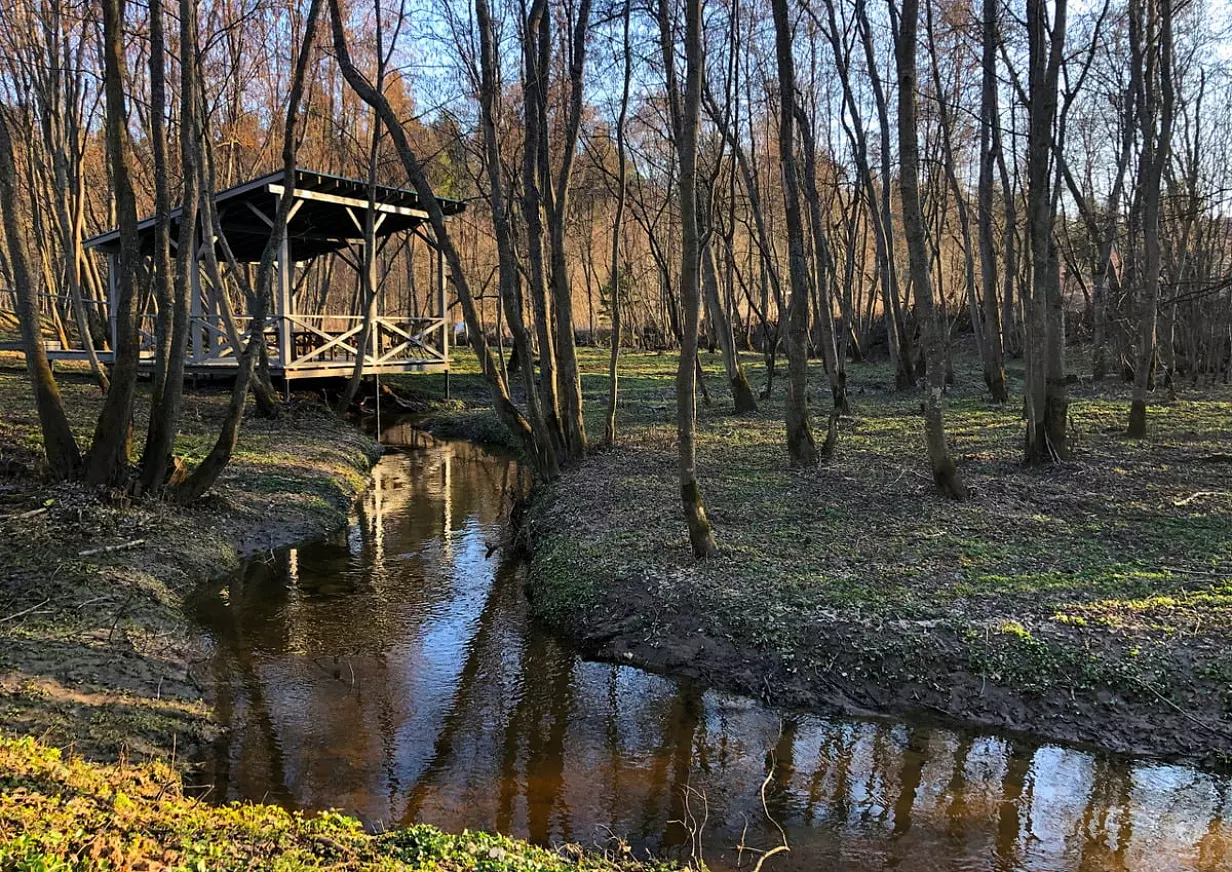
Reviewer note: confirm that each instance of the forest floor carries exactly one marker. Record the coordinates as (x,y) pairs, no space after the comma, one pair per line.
(1087,601)
(95,649)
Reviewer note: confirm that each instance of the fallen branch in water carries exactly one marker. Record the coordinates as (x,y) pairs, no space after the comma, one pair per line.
(123,546)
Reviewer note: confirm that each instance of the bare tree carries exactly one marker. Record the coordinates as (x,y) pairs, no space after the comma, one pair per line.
(546,440)
(63,455)
(1047,395)
(509,414)
(685,114)
(800,444)
(108,458)
(1151,48)
(622,190)
(166,402)
(945,474)
(206,473)
(993,349)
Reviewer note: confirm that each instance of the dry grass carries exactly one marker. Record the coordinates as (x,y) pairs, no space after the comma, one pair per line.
(95,649)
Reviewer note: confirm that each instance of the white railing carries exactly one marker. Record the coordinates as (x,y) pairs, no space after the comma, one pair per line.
(327,340)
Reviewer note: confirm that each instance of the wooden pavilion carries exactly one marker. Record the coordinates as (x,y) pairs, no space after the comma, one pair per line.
(327,218)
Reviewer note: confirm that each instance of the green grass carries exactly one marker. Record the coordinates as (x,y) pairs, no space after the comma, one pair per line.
(59,813)
(1116,565)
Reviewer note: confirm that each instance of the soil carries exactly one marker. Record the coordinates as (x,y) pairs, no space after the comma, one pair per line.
(939,689)
(96,651)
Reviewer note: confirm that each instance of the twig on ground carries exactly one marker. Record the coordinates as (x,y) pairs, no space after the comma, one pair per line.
(1197,496)
(20,516)
(123,546)
(1214,728)
(120,614)
(16,615)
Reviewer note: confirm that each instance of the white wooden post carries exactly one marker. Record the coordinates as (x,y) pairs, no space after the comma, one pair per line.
(370,265)
(196,351)
(283,307)
(113,295)
(442,301)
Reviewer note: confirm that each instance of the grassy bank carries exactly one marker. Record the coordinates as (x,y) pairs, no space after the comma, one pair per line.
(59,813)
(459,408)
(95,650)
(1089,600)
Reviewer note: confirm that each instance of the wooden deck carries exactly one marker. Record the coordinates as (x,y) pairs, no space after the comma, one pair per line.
(324,349)
(327,218)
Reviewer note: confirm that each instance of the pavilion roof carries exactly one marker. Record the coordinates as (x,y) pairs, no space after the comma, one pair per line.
(326,220)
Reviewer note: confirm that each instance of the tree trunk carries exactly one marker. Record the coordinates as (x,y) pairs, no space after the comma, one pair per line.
(165,406)
(1047,400)
(945,474)
(994,351)
(534,102)
(614,294)
(905,373)
(1151,51)
(800,444)
(685,121)
(59,445)
(742,392)
(108,460)
(823,269)
(160,271)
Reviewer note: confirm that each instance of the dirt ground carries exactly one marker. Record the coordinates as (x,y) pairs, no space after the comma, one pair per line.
(95,648)
(1088,601)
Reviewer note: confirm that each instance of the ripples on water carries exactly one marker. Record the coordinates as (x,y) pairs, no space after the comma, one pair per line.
(393,672)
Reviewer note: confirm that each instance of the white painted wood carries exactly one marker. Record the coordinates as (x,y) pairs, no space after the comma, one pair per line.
(353,202)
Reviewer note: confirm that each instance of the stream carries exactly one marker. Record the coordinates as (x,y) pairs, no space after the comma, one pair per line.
(393,672)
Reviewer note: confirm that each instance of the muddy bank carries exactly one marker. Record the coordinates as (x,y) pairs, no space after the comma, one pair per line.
(1088,601)
(1058,680)
(95,649)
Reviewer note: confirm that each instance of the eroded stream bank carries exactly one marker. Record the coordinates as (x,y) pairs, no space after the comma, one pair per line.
(96,652)
(393,672)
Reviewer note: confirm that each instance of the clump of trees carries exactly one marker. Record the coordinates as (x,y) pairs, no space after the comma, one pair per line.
(829,180)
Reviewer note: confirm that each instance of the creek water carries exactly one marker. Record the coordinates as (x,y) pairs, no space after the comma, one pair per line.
(393,672)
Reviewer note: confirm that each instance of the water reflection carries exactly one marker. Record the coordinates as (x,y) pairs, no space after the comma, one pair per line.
(393,672)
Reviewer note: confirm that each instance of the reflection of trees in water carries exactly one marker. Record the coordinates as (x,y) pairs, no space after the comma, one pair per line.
(517,734)
(260,752)
(670,771)
(540,721)
(911,771)
(956,789)
(1015,797)
(781,762)
(1215,847)
(304,603)
(1097,846)
(482,655)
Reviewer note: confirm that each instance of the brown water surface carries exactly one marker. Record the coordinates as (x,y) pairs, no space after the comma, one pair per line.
(393,672)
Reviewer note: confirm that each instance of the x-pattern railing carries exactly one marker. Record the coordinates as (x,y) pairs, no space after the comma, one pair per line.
(393,340)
